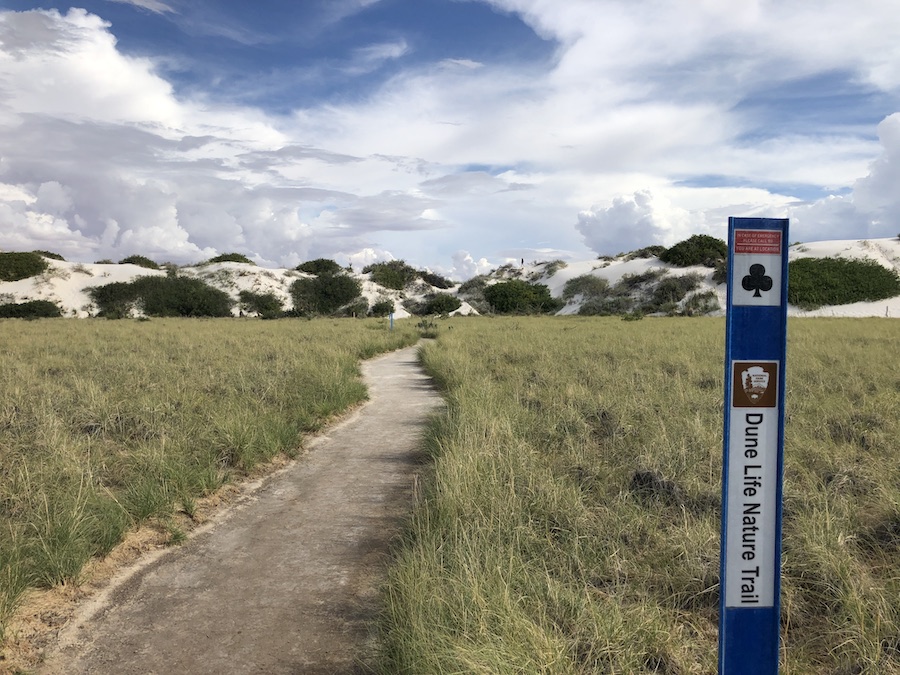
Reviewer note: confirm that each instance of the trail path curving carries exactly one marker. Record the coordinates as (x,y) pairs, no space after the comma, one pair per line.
(287,582)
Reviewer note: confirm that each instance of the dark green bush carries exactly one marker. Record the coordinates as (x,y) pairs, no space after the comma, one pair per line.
(587,286)
(161,296)
(474,286)
(382,308)
(34,309)
(181,296)
(814,282)
(700,249)
(105,261)
(356,308)
(319,266)
(436,280)
(50,254)
(115,300)
(631,282)
(15,266)
(606,306)
(267,305)
(229,257)
(671,290)
(140,260)
(394,274)
(520,297)
(325,294)
(439,303)
(646,252)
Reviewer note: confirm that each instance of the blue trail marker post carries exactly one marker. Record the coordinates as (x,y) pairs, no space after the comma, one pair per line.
(755,341)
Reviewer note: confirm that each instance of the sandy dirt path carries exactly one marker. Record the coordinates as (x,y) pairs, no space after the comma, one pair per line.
(287,581)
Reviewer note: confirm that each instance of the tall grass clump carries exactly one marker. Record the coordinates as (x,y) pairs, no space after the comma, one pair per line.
(104,425)
(570,520)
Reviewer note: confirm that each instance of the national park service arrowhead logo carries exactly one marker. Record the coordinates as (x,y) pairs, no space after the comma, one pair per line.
(756,381)
(755,384)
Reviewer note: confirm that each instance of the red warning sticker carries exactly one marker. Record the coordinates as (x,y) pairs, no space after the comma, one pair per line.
(758,242)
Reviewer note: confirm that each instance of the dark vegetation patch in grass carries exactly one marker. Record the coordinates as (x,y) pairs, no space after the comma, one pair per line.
(33,309)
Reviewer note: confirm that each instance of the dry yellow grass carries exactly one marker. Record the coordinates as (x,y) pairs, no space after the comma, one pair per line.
(571,522)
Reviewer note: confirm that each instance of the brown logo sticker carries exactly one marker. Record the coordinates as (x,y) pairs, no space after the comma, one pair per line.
(754,384)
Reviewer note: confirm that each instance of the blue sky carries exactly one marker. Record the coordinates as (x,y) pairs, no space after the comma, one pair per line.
(454,134)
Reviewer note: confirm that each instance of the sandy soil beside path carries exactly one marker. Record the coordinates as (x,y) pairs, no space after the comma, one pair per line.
(286,582)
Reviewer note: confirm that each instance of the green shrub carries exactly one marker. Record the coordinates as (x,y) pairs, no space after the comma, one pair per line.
(140,260)
(700,249)
(554,266)
(646,252)
(229,257)
(104,261)
(267,305)
(382,308)
(436,280)
(357,308)
(115,300)
(609,306)
(325,294)
(701,303)
(160,296)
(671,290)
(319,266)
(474,286)
(813,282)
(16,266)
(587,286)
(181,296)
(631,282)
(427,329)
(520,297)
(50,254)
(440,303)
(394,274)
(34,309)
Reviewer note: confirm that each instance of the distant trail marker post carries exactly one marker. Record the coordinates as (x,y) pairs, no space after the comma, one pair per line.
(753,460)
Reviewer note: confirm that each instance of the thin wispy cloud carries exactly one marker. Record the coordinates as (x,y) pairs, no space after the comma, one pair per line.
(152,5)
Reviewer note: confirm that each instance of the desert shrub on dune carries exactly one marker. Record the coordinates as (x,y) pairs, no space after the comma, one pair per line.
(160,296)
(395,274)
(16,266)
(139,260)
(319,266)
(325,294)
(229,257)
(520,297)
(267,305)
(814,282)
(700,249)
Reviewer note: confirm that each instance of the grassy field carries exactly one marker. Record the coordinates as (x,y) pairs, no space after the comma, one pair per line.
(106,424)
(570,519)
